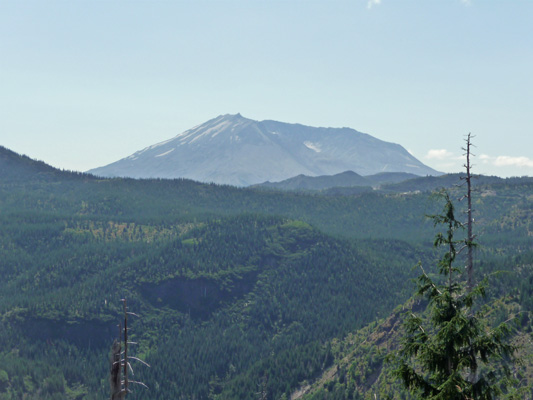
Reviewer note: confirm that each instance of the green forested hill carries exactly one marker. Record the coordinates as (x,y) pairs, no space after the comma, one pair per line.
(360,369)
(234,286)
(232,291)
(367,215)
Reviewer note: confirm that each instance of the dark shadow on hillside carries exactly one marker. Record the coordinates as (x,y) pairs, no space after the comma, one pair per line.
(81,333)
(200,297)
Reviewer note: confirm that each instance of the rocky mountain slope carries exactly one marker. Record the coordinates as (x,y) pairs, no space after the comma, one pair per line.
(231,149)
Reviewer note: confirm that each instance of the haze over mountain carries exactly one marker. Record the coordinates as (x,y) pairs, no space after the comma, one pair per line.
(231,149)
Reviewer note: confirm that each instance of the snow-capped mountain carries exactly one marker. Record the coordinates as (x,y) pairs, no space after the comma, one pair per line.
(231,149)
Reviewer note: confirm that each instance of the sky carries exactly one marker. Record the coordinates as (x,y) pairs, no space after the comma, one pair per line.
(85,83)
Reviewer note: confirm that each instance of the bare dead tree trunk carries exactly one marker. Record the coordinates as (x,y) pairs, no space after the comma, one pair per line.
(120,362)
(114,377)
(125,348)
(470,242)
(470,221)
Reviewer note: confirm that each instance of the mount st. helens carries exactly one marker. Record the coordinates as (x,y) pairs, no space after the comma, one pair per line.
(231,149)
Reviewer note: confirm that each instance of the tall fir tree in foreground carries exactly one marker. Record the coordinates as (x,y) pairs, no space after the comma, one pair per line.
(452,353)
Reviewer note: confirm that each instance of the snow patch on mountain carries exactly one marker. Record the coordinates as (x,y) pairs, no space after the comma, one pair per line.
(165,153)
(313,146)
(154,146)
(216,129)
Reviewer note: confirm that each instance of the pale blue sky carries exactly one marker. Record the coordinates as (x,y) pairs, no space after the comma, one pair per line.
(84,83)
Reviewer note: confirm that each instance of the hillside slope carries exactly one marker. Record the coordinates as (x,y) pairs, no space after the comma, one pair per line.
(361,370)
(232,285)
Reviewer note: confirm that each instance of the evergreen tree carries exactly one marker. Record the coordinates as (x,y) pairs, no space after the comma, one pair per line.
(452,354)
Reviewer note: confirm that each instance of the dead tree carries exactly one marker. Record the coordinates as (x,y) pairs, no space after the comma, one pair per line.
(114,376)
(470,221)
(120,362)
(469,242)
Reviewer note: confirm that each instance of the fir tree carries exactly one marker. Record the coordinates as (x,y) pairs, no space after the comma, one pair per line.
(452,354)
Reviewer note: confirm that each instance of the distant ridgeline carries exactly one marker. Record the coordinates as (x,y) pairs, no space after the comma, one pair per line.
(237,289)
(350,183)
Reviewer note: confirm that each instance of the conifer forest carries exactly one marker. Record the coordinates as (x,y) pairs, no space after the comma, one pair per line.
(249,293)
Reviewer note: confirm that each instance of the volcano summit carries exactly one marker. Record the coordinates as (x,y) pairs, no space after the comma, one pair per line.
(231,149)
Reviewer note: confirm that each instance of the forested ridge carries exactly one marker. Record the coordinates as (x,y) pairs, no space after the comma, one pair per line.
(235,287)
(360,369)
